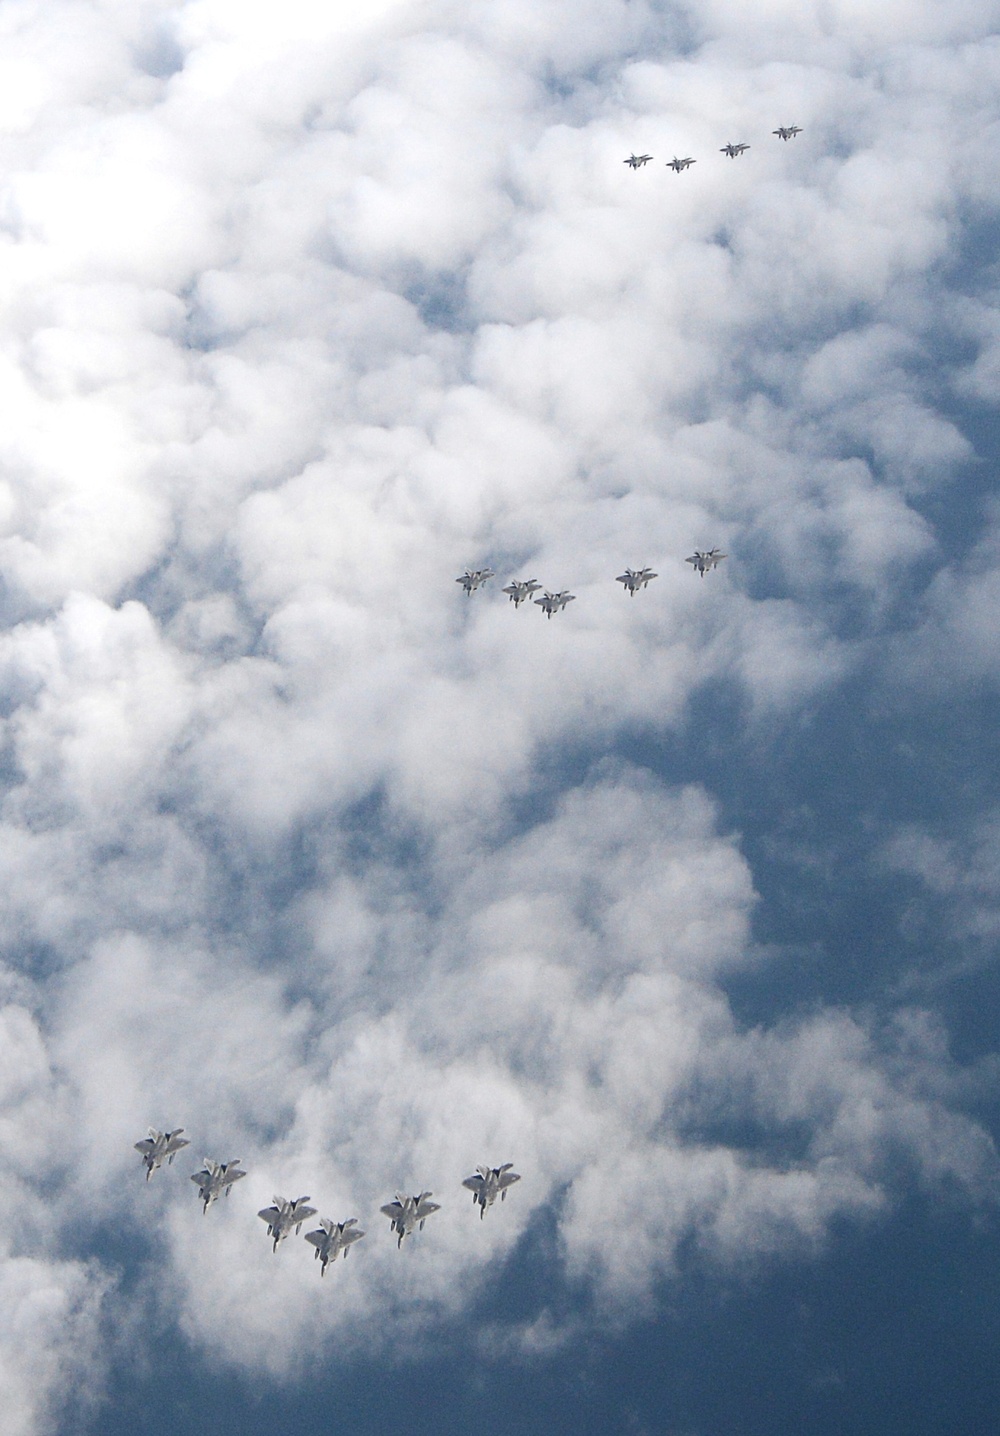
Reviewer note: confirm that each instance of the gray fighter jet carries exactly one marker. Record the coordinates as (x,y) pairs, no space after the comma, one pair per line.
(678,165)
(472,578)
(332,1238)
(216,1178)
(159,1145)
(491,1182)
(705,561)
(636,162)
(520,590)
(405,1213)
(733,150)
(787,132)
(634,579)
(551,603)
(284,1215)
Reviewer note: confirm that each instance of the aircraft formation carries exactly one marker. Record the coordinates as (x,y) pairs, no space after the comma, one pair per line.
(783,132)
(408,1214)
(634,579)
(330,1239)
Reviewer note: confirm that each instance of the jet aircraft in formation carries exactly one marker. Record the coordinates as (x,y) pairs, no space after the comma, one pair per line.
(551,603)
(784,132)
(472,578)
(405,1213)
(332,1238)
(284,1216)
(703,562)
(159,1145)
(520,589)
(216,1178)
(635,578)
(490,1183)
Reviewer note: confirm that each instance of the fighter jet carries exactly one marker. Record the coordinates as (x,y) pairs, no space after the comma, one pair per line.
(787,132)
(705,561)
(553,602)
(520,590)
(636,162)
(331,1239)
(283,1216)
(405,1213)
(634,579)
(490,1182)
(159,1145)
(733,150)
(216,1178)
(678,165)
(472,578)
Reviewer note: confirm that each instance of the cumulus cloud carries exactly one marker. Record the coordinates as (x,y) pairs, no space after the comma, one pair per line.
(306,309)
(957,878)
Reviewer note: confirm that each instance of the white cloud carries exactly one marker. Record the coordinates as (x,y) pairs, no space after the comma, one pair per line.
(51,1345)
(962,871)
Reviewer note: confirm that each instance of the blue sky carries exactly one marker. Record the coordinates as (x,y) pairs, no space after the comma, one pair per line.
(891,1332)
(686,903)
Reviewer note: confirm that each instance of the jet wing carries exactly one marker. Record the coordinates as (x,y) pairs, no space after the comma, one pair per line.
(316,1238)
(146,1146)
(392,1210)
(425,1208)
(269,1215)
(507,1179)
(474,1184)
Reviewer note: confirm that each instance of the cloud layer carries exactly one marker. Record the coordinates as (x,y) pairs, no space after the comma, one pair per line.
(305,310)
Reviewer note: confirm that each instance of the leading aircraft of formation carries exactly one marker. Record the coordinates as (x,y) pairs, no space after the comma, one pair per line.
(285,1217)
(159,1145)
(787,132)
(521,589)
(551,603)
(733,150)
(490,1183)
(216,1178)
(472,578)
(678,165)
(636,162)
(407,1213)
(703,562)
(634,579)
(332,1238)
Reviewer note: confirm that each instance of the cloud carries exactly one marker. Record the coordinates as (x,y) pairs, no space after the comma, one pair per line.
(960,874)
(51,1343)
(307,852)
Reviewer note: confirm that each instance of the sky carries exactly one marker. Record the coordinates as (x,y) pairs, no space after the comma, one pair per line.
(685,903)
